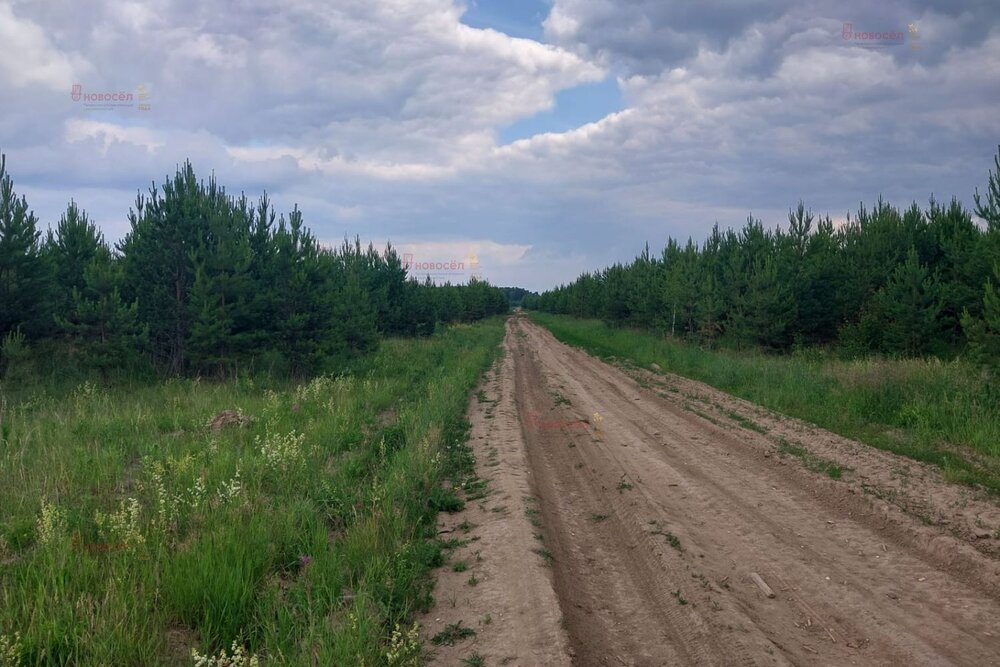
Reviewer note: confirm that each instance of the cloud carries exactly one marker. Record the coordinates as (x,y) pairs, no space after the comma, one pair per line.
(107,134)
(29,57)
(381,117)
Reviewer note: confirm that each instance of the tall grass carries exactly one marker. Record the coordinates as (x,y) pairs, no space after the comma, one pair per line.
(131,533)
(941,412)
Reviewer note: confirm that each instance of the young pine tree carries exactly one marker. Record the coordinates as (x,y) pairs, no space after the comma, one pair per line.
(70,250)
(25,279)
(910,304)
(769,306)
(990,209)
(984,333)
(158,267)
(105,330)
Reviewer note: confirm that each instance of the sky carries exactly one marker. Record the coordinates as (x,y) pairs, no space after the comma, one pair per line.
(525,140)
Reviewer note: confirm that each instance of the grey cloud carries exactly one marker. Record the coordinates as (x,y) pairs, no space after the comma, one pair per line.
(647,36)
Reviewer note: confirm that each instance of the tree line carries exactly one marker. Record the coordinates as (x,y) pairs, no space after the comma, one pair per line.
(890,281)
(516,295)
(207,282)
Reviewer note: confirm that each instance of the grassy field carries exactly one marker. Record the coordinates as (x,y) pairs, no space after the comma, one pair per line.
(132,533)
(944,413)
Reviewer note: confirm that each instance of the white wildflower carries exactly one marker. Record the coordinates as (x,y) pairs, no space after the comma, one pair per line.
(230,490)
(51,523)
(166,504)
(239,658)
(122,527)
(404,648)
(317,388)
(282,451)
(85,391)
(10,650)
(196,493)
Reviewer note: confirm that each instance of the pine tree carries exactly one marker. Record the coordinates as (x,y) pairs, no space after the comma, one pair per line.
(221,331)
(24,275)
(159,271)
(212,323)
(353,331)
(70,250)
(769,306)
(984,333)
(190,227)
(819,287)
(910,304)
(104,329)
(990,210)
(958,256)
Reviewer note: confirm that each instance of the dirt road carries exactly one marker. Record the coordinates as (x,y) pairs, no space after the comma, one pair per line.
(645,507)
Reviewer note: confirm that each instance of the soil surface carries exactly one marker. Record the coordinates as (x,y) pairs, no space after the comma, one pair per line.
(638,518)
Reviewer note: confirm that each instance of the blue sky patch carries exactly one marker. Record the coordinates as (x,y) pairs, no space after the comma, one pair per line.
(574,107)
(517,18)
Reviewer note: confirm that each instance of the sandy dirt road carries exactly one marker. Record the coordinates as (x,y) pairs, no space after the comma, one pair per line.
(659,498)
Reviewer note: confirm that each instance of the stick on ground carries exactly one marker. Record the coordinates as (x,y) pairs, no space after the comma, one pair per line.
(761,584)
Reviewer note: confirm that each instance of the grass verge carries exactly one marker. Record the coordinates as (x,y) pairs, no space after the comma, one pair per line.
(131,533)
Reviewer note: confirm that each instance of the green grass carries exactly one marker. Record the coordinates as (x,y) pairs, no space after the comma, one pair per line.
(939,412)
(745,422)
(545,554)
(476,489)
(474,660)
(452,633)
(811,461)
(672,540)
(131,533)
(561,400)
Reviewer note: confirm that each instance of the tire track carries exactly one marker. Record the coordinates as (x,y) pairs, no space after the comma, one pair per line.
(661,473)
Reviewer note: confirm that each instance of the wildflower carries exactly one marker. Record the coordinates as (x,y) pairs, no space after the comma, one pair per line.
(166,504)
(122,525)
(85,391)
(10,650)
(404,648)
(319,386)
(230,490)
(282,451)
(51,523)
(197,493)
(239,658)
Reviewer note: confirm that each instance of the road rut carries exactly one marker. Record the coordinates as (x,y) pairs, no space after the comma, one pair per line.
(656,514)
